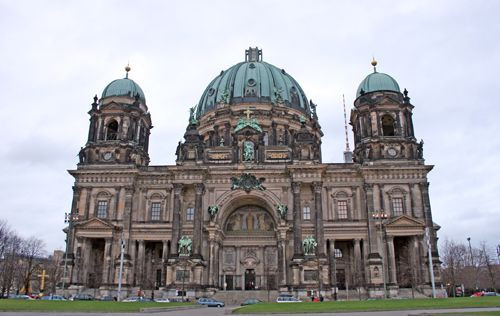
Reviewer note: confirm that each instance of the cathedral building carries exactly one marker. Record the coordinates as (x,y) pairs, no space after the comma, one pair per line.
(250,205)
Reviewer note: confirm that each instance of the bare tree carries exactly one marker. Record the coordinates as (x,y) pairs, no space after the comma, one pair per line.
(487,260)
(9,262)
(454,257)
(54,270)
(32,250)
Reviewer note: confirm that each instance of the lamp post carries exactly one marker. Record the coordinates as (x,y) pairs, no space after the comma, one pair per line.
(380,216)
(472,262)
(68,218)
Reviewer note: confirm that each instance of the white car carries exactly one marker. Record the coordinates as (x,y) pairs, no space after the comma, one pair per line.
(287,299)
(162,300)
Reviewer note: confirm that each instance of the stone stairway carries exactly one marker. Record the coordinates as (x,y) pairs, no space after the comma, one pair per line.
(237,297)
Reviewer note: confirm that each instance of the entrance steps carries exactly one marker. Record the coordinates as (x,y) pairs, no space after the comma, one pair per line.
(237,297)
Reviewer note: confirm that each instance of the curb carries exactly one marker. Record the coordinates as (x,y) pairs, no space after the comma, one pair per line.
(168,309)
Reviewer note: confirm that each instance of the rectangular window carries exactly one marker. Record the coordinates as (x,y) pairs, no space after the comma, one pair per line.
(397,206)
(306,213)
(310,275)
(102,209)
(155,211)
(190,214)
(342,209)
(181,275)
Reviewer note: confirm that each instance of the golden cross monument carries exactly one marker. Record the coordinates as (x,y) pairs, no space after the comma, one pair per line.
(42,282)
(248,112)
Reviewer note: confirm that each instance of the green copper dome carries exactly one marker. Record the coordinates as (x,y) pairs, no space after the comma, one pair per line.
(123,87)
(377,81)
(253,81)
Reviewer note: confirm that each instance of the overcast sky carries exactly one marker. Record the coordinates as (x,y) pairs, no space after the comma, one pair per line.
(56,55)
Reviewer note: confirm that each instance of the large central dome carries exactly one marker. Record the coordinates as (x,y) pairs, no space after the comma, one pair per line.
(253,81)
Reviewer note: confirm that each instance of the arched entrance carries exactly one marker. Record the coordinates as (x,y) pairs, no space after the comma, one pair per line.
(249,249)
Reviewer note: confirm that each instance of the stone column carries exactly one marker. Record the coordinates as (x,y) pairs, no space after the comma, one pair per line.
(107,261)
(99,129)
(217,256)
(297,220)
(391,260)
(198,218)
(86,252)
(318,188)
(140,263)
(176,217)
(211,263)
(164,261)
(416,197)
(127,212)
(372,232)
(333,268)
(73,216)
(428,218)
(357,262)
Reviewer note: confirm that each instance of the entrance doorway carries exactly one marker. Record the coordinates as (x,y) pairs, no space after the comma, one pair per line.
(250,279)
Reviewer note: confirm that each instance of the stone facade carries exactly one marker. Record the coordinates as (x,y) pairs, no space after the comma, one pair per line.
(249,186)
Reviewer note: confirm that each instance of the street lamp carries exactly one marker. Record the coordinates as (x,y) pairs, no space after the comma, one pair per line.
(381,216)
(472,262)
(68,218)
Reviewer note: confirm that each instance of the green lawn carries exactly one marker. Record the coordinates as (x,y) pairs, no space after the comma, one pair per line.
(372,305)
(79,306)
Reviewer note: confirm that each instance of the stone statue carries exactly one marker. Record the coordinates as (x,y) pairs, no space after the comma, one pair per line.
(309,244)
(248,151)
(178,151)
(278,96)
(82,155)
(212,211)
(282,210)
(221,143)
(192,118)
(420,149)
(185,246)
(224,98)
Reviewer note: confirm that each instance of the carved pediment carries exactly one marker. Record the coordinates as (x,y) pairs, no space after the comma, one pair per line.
(95,223)
(404,221)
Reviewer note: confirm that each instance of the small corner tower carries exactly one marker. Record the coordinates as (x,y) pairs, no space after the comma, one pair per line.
(382,122)
(120,125)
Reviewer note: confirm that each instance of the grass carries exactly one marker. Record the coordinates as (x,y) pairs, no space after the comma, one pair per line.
(79,306)
(372,305)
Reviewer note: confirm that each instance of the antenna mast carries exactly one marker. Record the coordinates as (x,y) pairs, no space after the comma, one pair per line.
(347,152)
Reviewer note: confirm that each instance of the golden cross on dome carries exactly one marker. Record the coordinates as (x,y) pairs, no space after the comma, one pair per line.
(248,112)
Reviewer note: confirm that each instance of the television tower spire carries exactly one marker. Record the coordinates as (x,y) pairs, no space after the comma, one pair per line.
(347,152)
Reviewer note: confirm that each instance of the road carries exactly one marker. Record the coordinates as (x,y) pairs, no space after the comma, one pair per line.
(224,311)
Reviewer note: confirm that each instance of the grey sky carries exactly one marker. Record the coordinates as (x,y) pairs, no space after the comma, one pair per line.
(55,55)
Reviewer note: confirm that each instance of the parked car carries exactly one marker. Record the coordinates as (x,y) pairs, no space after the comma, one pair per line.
(108,298)
(491,294)
(286,298)
(210,302)
(20,297)
(136,299)
(162,300)
(81,297)
(53,298)
(250,301)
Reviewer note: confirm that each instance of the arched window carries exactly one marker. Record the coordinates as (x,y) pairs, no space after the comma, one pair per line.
(388,125)
(112,130)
